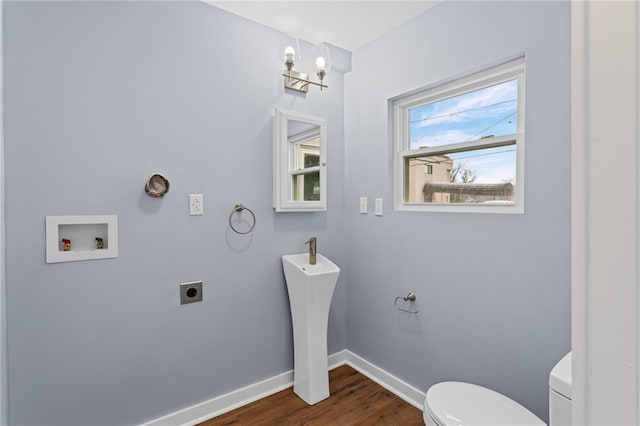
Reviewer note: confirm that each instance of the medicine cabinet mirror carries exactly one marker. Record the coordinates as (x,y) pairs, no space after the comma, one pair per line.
(299,162)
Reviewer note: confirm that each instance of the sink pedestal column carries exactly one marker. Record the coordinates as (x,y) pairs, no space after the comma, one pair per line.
(310,298)
(310,360)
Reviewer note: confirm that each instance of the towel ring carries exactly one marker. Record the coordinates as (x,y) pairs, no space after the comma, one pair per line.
(237,209)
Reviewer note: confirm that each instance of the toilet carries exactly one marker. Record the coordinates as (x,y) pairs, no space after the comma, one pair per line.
(560,393)
(458,403)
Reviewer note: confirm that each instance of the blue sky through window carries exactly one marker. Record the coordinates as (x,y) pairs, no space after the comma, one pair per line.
(491,165)
(491,111)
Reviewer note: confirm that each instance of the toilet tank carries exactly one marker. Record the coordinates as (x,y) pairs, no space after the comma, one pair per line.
(560,393)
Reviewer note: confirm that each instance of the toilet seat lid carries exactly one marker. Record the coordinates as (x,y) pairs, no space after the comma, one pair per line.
(456,403)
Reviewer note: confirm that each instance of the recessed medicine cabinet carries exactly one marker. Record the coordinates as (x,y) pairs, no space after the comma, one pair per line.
(299,162)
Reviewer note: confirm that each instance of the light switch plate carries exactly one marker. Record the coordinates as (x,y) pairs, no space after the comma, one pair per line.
(364,205)
(379,207)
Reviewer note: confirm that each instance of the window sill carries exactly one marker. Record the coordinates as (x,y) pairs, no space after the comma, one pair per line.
(517,208)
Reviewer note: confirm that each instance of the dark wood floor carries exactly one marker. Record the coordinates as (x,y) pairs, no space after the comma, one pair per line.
(354,400)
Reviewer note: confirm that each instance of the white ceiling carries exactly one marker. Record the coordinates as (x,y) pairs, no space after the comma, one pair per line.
(346,24)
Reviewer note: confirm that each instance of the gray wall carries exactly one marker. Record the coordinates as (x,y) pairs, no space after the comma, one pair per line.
(493,290)
(97,97)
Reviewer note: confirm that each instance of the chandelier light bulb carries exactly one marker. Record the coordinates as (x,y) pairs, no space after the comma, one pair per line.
(289,53)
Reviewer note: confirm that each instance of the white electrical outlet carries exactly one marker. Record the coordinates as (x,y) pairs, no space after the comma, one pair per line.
(196,206)
(363,205)
(379,209)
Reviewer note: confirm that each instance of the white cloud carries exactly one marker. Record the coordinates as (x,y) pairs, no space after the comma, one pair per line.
(485,103)
(441,138)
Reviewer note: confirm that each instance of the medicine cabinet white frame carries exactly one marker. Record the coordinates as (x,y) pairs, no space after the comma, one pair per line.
(284,162)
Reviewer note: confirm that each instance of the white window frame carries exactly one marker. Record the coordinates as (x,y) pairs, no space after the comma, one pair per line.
(513,70)
(296,158)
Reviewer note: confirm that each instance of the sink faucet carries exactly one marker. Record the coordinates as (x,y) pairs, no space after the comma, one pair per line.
(312,250)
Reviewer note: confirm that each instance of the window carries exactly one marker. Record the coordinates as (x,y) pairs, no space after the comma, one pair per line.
(305,167)
(460,146)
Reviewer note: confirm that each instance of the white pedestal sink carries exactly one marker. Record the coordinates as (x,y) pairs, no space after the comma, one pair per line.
(310,291)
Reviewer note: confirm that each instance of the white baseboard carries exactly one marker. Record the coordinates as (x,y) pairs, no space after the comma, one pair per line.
(387,380)
(338,359)
(222,404)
